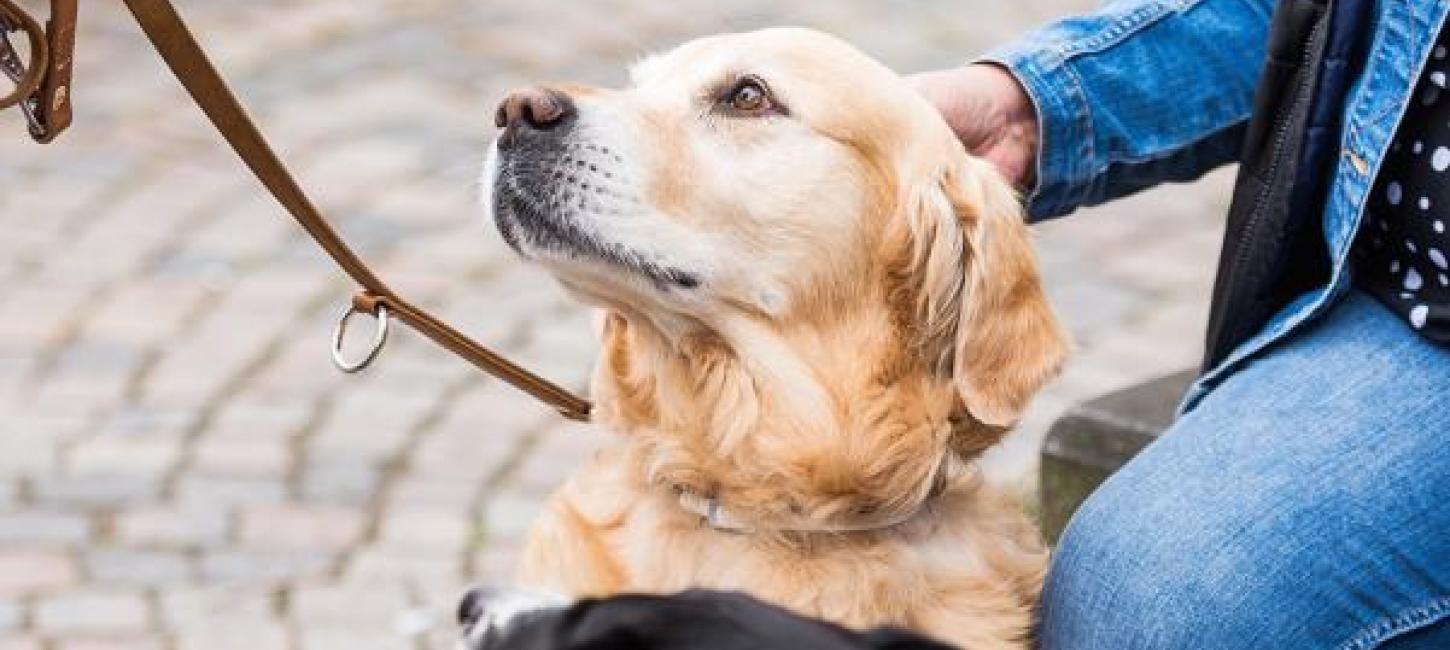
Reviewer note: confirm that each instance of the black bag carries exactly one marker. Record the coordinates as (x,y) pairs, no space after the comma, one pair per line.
(1274,248)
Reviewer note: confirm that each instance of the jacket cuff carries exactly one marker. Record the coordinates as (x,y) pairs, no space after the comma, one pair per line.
(1064,121)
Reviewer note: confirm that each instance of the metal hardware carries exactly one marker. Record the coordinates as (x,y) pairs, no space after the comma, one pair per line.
(380,338)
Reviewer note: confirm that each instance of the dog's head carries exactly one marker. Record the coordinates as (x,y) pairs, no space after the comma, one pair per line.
(816,294)
(494,619)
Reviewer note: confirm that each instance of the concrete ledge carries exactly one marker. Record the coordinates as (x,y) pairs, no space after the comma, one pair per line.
(1093,439)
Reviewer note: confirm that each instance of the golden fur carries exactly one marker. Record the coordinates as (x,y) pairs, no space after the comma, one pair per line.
(878,314)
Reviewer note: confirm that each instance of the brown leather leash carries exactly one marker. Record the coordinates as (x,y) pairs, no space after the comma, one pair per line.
(177,46)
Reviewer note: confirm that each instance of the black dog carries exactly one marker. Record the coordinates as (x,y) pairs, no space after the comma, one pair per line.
(697,620)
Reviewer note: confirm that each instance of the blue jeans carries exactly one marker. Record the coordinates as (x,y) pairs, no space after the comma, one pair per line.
(1304,503)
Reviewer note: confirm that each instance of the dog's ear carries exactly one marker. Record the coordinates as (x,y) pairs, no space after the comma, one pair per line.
(981,311)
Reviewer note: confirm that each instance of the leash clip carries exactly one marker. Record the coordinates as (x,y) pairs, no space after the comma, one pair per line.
(42,88)
(380,337)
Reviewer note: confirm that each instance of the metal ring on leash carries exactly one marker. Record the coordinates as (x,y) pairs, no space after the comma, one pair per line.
(380,337)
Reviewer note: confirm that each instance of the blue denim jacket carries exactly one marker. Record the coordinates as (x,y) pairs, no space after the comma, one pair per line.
(1149,91)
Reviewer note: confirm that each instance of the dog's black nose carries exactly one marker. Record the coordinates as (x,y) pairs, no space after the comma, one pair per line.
(537,108)
(470,609)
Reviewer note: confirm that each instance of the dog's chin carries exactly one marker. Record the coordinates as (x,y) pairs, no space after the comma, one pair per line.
(541,230)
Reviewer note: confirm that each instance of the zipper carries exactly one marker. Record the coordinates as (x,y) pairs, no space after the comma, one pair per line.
(1281,136)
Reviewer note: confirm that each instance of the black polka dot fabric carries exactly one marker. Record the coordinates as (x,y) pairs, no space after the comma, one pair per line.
(1403,250)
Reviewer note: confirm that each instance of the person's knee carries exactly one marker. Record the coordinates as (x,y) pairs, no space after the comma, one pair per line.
(1089,600)
(1234,531)
(1135,570)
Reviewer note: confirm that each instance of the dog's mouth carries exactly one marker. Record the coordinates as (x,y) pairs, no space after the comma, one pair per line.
(555,209)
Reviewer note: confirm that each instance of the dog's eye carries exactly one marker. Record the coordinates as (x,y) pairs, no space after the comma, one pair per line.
(749,97)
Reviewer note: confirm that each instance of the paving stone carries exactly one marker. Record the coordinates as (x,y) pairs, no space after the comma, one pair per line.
(387,428)
(1129,359)
(94,373)
(296,526)
(252,417)
(493,408)
(465,453)
(144,313)
(43,528)
(233,456)
(498,564)
(35,315)
(435,530)
(148,422)
(138,568)
(93,612)
(19,458)
(264,566)
(421,490)
(334,481)
(197,491)
(25,423)
(266,289)
(382,564)
(12,616)
(238,236)
(345,639)
(27,572)
(19,643)
(225,345)
(129,642)
(1092,305)
(201,608)
(108,456)
(235,636)
(508,515)
(560,452)
(477,437)
(373,607)
(301,369)
(434,617)
(199,370)
(99,490)
(170,526)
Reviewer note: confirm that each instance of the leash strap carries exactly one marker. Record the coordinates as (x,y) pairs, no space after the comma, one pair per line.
(179,49)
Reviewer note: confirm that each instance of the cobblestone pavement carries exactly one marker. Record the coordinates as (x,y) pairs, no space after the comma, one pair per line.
(181,468)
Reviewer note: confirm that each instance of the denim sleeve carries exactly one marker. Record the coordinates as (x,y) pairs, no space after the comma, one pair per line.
(1138,93)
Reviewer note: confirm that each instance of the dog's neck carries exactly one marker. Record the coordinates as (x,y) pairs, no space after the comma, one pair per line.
(836,427)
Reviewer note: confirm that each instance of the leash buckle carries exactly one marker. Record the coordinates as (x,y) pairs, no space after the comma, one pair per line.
(42,86)
(380,337)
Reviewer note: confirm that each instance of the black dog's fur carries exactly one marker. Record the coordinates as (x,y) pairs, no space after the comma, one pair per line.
(695,620)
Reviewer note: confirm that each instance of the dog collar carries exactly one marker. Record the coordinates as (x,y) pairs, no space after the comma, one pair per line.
(717,516)
(710,510)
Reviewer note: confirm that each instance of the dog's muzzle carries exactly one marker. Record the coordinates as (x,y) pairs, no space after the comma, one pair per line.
(556,190)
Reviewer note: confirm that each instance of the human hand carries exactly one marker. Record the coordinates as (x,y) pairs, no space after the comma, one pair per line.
(990,113)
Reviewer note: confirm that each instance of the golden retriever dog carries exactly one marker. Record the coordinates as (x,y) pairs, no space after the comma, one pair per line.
(819,310)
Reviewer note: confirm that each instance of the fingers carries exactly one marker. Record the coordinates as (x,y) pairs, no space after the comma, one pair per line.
(989,112)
